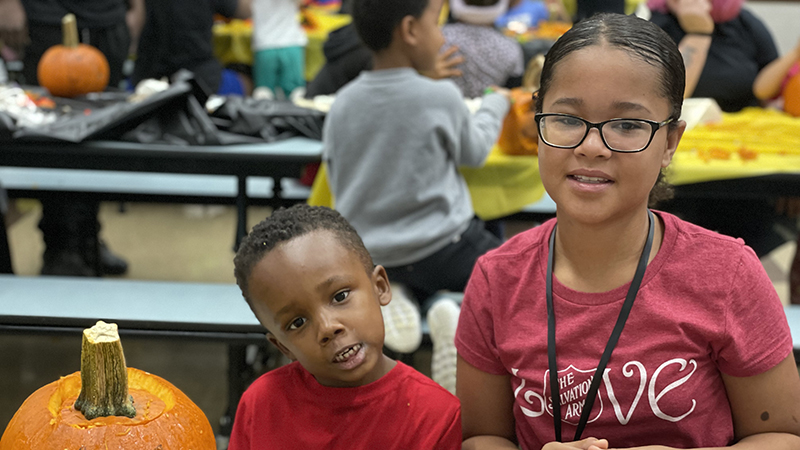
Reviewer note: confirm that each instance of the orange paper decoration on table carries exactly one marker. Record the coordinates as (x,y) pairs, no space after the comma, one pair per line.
(519,135)
(791,96)
(108,406)
(72,69)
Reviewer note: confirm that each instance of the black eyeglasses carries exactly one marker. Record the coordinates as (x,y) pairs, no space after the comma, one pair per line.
(619,135)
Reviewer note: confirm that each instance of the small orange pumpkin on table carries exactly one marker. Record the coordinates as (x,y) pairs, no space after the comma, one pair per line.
(72,69)
(108,406)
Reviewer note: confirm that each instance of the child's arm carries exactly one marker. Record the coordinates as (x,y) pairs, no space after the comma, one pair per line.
(487,409)
(766,407)
(479,131)
(770,79)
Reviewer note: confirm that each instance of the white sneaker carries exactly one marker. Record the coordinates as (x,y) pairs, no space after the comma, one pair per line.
(263,93)
(298,92)
(442,320)
(402,321)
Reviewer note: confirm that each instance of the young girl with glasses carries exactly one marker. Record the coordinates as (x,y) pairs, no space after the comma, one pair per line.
(638,329)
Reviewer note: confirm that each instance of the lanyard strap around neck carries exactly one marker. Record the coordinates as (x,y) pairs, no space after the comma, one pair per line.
(612,341)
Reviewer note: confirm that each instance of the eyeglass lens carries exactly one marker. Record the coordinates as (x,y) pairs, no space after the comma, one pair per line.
(622,134)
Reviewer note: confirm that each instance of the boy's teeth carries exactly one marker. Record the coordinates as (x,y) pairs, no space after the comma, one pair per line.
(347,353)
(584,179)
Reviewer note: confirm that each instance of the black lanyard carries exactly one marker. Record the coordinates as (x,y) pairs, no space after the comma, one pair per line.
(612,341)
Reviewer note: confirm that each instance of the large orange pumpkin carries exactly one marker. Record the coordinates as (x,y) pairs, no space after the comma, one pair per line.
(164,417)
(72,69)
(791,96)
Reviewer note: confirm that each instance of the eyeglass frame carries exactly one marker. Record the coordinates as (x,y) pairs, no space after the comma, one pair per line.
(655,126)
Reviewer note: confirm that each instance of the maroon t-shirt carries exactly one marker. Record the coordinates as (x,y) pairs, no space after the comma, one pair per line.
(705,307)
(287,409)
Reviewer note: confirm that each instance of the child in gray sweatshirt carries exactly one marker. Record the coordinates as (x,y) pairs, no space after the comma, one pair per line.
(393,142)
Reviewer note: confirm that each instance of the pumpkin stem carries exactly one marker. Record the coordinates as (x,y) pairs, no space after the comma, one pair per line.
(104,377)
(69,28)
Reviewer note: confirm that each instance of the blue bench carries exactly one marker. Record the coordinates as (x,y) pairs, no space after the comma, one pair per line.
(145,186)
(24,182)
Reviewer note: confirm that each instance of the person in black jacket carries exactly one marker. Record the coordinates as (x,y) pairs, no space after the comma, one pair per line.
(345,58)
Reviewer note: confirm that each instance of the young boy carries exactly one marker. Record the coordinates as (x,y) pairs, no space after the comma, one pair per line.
(310,281)
(393,142)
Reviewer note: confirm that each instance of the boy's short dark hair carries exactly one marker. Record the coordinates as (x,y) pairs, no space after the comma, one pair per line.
(375,20)
(286,224)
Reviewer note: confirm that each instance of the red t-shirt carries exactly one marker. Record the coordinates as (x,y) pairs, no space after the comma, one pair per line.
(705,306)
(287,408)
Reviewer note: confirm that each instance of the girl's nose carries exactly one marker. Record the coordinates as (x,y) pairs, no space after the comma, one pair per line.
(593,146)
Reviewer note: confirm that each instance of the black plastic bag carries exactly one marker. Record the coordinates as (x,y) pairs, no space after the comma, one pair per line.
(267,119)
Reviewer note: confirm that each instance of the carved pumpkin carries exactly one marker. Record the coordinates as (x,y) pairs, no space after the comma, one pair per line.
(519,135)
(159,416)
(791,96)
(72,69)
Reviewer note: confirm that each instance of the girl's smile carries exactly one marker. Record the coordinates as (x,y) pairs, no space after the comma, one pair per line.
(590,180)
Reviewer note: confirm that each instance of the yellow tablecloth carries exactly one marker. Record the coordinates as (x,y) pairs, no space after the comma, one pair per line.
(231,41)
(501,187)
(749,143)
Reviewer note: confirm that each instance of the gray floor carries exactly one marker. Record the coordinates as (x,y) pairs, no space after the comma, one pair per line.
(166,242)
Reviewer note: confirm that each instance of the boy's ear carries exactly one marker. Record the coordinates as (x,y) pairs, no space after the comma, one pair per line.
(380,281)
(408,30)
(286,352)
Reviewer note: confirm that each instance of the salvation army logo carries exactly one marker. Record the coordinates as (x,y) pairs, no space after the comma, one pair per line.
(573,387)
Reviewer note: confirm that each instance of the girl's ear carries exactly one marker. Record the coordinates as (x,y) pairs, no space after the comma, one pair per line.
(673,139)
(286,352)
(380,281)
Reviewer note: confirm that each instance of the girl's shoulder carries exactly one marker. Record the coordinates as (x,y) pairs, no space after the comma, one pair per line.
(688,234)
(705,251)
(522,249)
